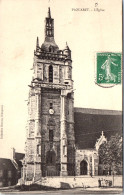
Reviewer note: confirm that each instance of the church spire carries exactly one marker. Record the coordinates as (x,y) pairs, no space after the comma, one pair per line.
(49,13)
(49,44)
(49,28)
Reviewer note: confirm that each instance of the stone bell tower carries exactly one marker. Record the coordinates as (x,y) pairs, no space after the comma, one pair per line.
(50,143)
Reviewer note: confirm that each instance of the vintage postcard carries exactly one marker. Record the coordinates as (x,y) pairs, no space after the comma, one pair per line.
(61,96)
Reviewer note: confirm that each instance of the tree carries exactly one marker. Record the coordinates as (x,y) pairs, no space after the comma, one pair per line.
(110,154)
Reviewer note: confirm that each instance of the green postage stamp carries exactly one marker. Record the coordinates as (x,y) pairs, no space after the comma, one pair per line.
(108,68)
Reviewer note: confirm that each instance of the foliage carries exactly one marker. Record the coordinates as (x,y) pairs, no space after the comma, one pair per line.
(110,153)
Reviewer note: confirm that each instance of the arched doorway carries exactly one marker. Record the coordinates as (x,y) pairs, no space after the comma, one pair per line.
(51,163)
(51,158)
(83,167)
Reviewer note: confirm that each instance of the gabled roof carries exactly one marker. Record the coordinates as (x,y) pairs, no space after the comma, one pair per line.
(7,164)
(89,124)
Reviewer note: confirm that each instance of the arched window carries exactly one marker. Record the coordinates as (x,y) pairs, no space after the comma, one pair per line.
(50,73)
(50,158)
(51,105)
(38,149)
(51,135)
(51,49)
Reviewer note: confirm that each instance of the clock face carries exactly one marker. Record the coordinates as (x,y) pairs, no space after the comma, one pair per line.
(51,111)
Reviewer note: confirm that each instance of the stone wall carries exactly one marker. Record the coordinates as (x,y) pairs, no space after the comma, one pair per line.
(52,75)
(80,181)
(50,122)
(62,71)
(91,158)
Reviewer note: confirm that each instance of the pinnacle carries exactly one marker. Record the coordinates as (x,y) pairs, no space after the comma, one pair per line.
(37,43)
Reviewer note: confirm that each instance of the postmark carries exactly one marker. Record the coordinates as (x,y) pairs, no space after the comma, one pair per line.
(108,70)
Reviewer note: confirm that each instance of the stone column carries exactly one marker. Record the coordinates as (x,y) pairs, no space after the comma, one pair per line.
(88,166)
(92,164)
(38,113)
(63,138)
(37,141)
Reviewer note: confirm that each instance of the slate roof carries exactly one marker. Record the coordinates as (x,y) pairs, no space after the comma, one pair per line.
(7,164)
(89,124)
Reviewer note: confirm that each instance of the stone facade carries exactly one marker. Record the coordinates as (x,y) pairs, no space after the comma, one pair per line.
(50,144)
(61,141)
(87,162)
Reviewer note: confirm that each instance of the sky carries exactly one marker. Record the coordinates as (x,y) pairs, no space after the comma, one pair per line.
(86,33)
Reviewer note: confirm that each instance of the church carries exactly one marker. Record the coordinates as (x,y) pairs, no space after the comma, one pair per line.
(61,140)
